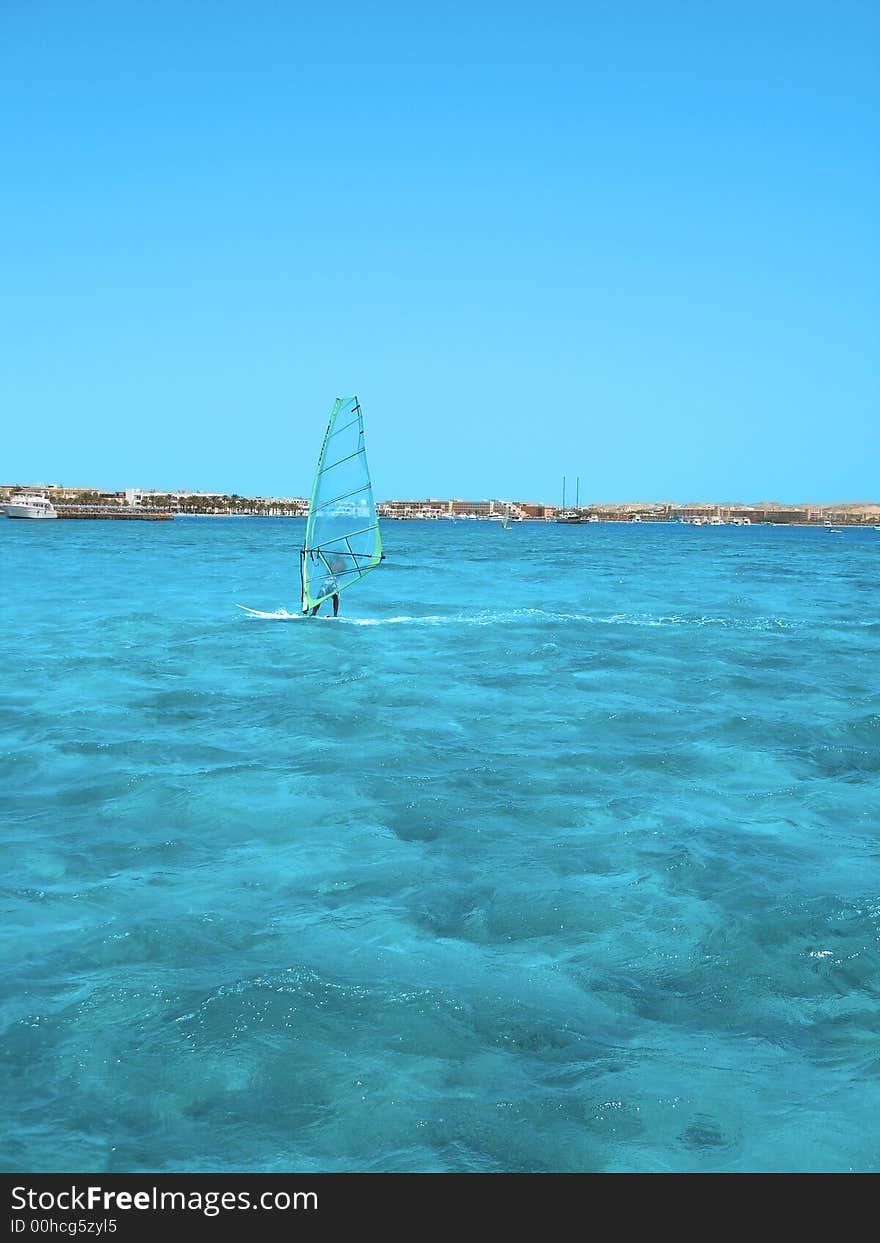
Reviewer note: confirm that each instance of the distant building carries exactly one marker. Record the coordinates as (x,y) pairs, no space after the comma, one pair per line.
(164,499)
(428,508)
(468,509)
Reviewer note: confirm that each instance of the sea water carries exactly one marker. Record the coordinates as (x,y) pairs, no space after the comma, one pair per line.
(558,851)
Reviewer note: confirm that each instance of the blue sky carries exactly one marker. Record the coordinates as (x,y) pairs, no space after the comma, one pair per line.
(635,242)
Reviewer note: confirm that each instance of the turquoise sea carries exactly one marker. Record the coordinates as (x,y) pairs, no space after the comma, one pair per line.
(560,851)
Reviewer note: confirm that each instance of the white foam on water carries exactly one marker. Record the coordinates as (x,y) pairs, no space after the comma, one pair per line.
(279,615)
(513,616)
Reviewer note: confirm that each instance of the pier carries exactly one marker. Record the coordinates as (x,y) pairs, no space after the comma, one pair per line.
(113,513)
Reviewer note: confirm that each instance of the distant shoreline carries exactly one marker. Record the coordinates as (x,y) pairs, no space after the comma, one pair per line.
(232,505)
(654,522)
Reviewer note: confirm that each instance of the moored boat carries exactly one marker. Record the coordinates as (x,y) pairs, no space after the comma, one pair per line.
(29,505)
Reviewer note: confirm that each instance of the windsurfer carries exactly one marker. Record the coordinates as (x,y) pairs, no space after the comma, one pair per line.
(342,541)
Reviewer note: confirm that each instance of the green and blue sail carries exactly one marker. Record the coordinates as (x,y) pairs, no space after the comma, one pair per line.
(342,541)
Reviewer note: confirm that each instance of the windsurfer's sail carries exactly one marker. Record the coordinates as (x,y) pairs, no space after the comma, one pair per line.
(342,532)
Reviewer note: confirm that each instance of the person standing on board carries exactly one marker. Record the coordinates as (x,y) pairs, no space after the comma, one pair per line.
(336,567)
(335,605)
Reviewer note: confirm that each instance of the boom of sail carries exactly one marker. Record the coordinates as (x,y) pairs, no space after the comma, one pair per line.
(342,541)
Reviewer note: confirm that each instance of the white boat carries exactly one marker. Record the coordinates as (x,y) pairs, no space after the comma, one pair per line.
(717,522)
(29,505)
